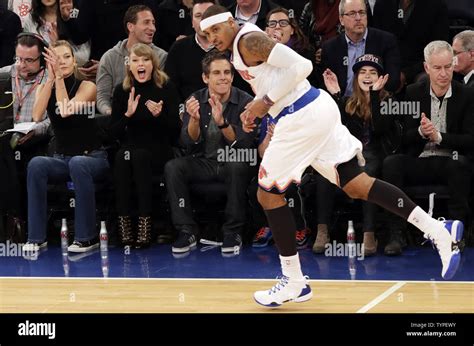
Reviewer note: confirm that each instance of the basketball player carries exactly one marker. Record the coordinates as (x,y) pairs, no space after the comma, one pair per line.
(308,132)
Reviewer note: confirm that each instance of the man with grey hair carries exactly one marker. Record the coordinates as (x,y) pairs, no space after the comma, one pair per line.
(435,140)
(463,47)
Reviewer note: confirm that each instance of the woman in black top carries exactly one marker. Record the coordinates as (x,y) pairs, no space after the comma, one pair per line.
(78,156)
(145,117)
(361,114)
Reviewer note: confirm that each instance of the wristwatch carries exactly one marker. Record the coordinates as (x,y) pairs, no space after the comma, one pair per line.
(224,125)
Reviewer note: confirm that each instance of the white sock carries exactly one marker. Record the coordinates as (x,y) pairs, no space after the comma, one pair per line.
(422,220)
(290,267)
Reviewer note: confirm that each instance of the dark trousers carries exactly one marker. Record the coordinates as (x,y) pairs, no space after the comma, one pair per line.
(9,185)
(326,192)
(405,170)
(133,167)
(325,195)
(13,167)
(183,171)
(373,167)
(9,182)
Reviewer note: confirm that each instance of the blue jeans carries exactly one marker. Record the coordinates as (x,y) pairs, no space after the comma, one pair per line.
(83,171)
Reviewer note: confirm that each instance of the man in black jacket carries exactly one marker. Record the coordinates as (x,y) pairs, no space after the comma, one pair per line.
(253,11)
(10,27)
(463,47)
(339,53)
(415,23)
(183,64)
(215,141)
(437,138)
(172,22)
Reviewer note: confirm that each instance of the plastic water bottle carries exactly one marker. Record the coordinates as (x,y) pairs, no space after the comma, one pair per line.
(64,237)
(104,239)
(351,246)
(65,265)
(105,263)
(351,235)
(104,249)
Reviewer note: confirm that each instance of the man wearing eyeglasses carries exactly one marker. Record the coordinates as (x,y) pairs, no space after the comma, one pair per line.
(339,53)
(25,75)
(463,46)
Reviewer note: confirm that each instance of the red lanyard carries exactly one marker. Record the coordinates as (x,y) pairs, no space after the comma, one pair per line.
(19,94)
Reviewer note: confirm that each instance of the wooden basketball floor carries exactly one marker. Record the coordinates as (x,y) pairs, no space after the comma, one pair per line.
(96,295)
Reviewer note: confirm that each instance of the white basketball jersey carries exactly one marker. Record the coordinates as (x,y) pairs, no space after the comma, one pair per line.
(263,77)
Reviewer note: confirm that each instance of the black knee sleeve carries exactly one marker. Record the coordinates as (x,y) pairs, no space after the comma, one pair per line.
(391,198)
(283,228)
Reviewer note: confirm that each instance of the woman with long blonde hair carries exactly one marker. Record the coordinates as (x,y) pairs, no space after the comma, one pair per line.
(145,118)
(79,155)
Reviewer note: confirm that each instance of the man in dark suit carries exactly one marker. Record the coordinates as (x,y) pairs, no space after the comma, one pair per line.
(463,47)
(340,52)
(415,23)
(438,135)
(253,11)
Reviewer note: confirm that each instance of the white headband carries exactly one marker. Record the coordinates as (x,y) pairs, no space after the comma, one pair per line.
(215,19)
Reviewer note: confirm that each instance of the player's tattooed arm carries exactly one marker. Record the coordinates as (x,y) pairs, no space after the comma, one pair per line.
(255,48)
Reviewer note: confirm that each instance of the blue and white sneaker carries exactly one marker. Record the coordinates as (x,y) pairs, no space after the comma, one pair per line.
(446,239)
(285,290)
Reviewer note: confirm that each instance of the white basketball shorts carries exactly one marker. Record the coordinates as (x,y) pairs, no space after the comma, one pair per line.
(311,136)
